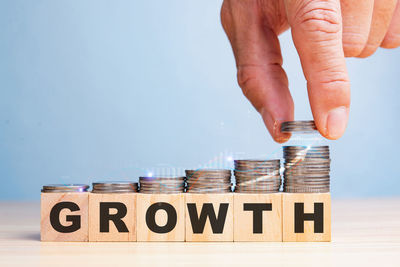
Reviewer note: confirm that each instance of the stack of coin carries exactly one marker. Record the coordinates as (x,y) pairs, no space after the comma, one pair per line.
(162,185)
(306,169)
(298,126)
(115,187)
(208,181)
(257,176)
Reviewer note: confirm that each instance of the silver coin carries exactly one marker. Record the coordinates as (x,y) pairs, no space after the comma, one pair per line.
(208,181)
(327,190)
(161,192)
(305,164)
(59,188)
(206,178)
(304,183)
(252,184)
(258,188)
(257,176)
(208,171)
(298,126)
(115,187)
(305,147)
(257,161)
(215,181)
(255,191)
(306,187)
(167,185)
(304,172)
(208,191)
(310,161)
(305,153)
(306,168)
(305,178)
(255,167)
(251,175)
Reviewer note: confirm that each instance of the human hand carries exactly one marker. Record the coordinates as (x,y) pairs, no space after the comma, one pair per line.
(324,33)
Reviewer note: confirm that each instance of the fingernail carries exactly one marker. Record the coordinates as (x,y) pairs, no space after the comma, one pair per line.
(336,122)
(279,136)
(273,126)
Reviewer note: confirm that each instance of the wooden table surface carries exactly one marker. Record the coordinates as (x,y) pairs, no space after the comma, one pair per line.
(365,232)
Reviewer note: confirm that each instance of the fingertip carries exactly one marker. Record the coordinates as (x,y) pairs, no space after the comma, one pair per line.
(330,104)
(368,51)
(391,42)
(336,123)
(278,135)
(274,127)
(282,138)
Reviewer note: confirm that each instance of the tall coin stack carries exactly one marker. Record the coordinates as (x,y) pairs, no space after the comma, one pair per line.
(306,168)
(209,181)
(257,176)
(162,185)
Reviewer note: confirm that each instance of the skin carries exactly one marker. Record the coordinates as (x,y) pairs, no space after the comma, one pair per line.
(324,33)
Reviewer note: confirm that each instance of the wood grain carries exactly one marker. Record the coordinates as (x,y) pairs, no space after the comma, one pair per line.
(48,200)
(288,207)
(144,201)
(208,235)
(129,200)
(365,232)
(271,220)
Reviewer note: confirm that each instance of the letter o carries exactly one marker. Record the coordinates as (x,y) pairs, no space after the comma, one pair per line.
(151,217)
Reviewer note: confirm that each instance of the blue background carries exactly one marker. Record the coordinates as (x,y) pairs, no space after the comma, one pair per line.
(95,90)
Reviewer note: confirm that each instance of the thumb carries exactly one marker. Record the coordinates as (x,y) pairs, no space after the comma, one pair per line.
(317,34)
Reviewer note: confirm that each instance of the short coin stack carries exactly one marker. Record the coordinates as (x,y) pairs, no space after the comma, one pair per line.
(64,188)
(115,187)
(209,181)
(257,176)
(298,126)
(162,185)
(306,169)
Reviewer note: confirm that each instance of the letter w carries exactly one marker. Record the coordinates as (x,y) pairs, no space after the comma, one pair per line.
(198,223)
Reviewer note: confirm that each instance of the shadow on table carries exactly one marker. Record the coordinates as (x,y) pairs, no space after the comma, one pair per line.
(30,236)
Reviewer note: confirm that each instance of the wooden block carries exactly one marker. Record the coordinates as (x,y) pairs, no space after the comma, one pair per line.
(306,217)
(257,217)
(64,216)
(209,217)
(161,217)
(112,217)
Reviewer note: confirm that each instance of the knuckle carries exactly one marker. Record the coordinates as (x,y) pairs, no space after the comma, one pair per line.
(335,85)
(247,78)
(391,41)
(226,16)
(351,50)
(353,44)
(368,50)
(319,17)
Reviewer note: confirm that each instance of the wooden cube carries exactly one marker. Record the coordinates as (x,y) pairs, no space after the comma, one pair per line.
(112,217)
(64,216)
(209,217)
(161,217)
(257,217)
(306,217)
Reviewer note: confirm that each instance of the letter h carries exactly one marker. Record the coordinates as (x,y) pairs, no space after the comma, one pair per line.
(300,217)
